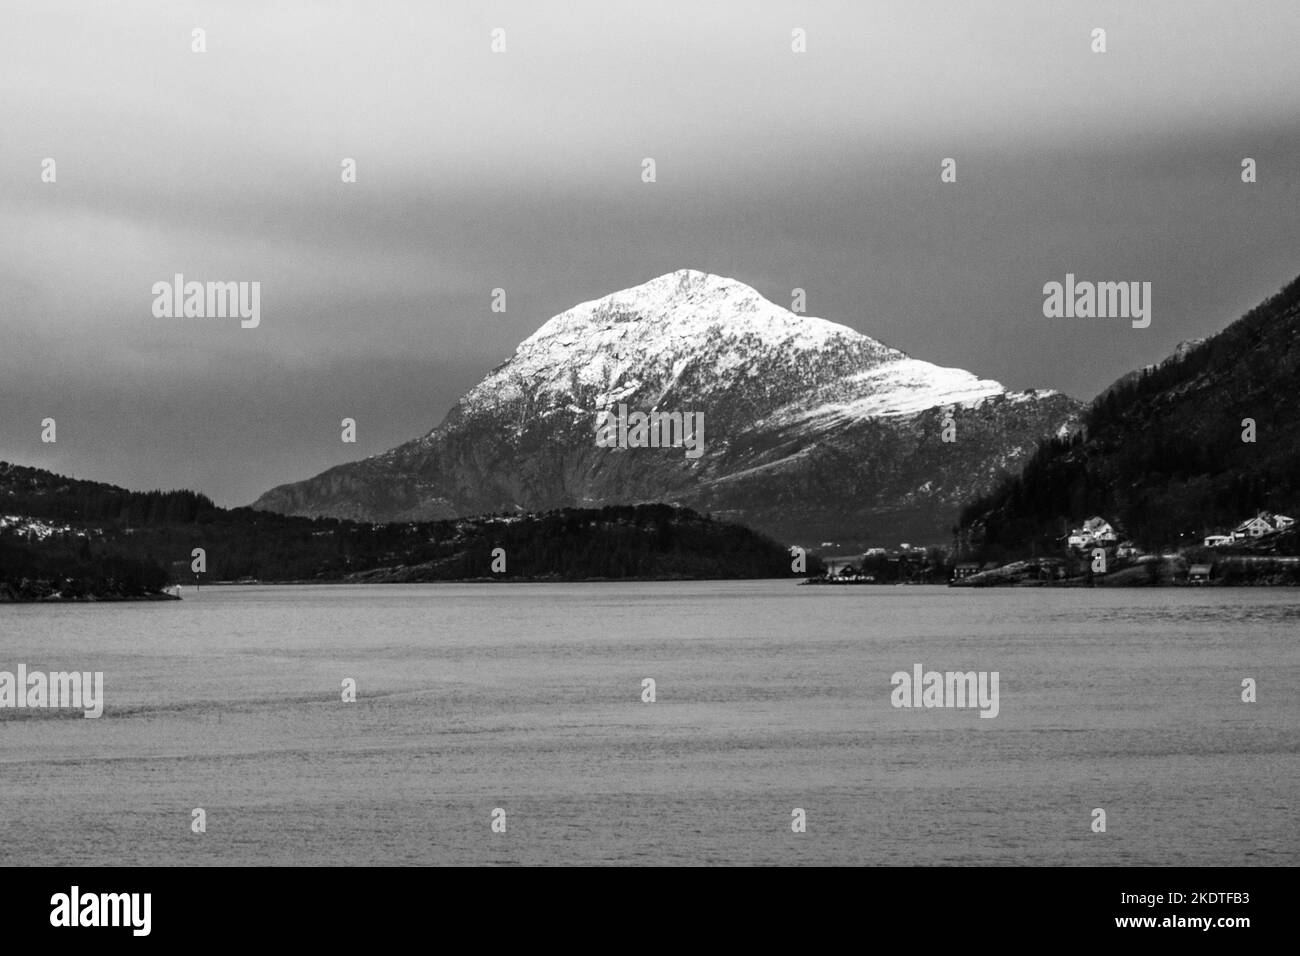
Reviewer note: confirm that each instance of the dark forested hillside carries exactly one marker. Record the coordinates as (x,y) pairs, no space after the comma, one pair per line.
(80,538)
(1162,451)
(38,493)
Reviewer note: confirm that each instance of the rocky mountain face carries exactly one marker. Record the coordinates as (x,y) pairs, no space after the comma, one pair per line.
(811,430)
(1178,450)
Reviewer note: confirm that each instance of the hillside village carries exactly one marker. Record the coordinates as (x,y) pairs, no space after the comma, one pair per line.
(1260,549)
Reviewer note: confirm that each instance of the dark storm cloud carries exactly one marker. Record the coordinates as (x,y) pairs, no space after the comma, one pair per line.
(522,171)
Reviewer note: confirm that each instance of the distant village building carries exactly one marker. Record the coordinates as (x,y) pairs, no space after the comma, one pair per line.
(1100,530)
(1096,530)
(1255,527)
(1218,540)
(1260,525)
(1199,574)
(965,569)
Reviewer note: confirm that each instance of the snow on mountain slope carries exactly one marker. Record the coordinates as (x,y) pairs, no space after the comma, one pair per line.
(639,343)
(654,332)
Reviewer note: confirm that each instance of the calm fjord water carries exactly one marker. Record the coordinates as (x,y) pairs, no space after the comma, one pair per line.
(770,696)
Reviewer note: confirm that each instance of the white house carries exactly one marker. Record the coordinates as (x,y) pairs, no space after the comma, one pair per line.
(1263,523)
(1100,530)
(1255,527)
(1096,530)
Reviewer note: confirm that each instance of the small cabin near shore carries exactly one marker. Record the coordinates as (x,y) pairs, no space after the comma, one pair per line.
(1199,574)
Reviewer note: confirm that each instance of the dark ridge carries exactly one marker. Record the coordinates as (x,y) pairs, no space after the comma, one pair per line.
(98,541)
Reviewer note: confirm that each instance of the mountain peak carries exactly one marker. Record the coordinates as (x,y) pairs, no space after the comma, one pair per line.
(668,296)
(806,418)
(688,282)
(692,336)
(689,307)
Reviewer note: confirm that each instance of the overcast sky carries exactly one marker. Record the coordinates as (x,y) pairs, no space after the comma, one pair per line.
(522,170)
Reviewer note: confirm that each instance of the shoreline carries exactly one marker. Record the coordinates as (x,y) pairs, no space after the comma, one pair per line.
(1068,583)
(87,599)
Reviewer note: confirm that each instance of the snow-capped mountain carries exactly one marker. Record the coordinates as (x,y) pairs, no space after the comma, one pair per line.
(811,430)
